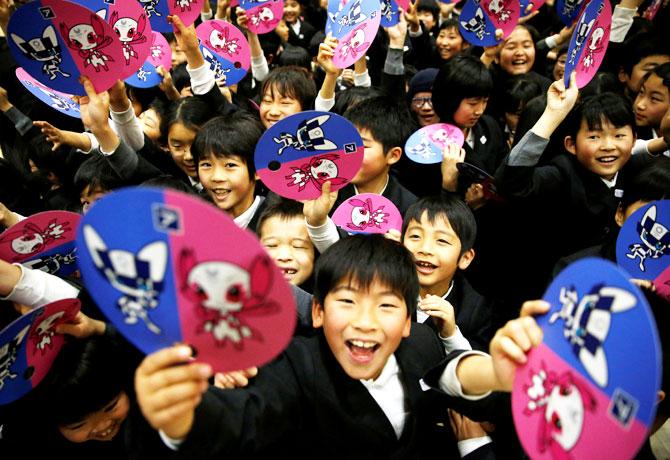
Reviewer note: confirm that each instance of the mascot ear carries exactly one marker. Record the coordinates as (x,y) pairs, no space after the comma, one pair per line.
(261,276)
(141,23)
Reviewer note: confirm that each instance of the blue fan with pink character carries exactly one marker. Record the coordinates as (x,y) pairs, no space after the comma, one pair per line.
(589,390)
(480,19)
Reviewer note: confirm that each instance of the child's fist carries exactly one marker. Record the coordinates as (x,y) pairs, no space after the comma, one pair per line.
(442,313)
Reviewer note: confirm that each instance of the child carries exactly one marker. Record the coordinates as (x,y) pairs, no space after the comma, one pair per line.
(384,127)
(286,91)
(641,54)
(283,233)
(460,95)
(350,392)
(440,233)
(300,33)
(572,199)
(651,104)
(223,152)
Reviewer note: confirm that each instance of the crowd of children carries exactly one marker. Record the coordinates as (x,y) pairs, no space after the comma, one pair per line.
(403,339)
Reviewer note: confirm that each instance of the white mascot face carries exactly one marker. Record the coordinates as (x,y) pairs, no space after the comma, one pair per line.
(27,244)
(565,414)
(224,287)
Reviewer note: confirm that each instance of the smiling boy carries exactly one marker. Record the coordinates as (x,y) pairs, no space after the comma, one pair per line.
(571,200)
(353,391)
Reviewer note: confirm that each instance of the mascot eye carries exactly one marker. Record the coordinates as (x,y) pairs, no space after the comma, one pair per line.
(117,31)
(77,44)
(131,32)
(91,37)
(234,293)
(565,391)
(556,421)
(317,163)
(199,291)
(219,36)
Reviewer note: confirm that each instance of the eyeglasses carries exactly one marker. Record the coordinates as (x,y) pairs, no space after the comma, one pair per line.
(418,102)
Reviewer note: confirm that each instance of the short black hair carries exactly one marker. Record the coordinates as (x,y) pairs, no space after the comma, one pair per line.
(662,71)
(231,135)
(295,55)
(363,259)
(294,82)
(519,89)
(650,183)
(430,6)
(461,77)
(192,112)
(640,46)
(351,96)
(85,377)
(612,107)
(277,206)
(97,173)
(452,23)
(449,207)
(389,122)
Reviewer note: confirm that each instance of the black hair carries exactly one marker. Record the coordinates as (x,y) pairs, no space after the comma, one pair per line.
(389,122)
(294,82)
(169,182)
(650,183)
(352,96)
(295,55)
(461,77)
(180,77)
(430,6)
(612,107)
(232,135)
(192,112)
(602,82)
(449,207)
(519,89)
(97,173)
(640,46)
(662,71)
(85,377)
(277,206)
(362,259)
(452,23)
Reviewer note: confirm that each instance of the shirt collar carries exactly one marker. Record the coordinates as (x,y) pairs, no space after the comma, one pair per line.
(243,219)
(389,372)
(610,183)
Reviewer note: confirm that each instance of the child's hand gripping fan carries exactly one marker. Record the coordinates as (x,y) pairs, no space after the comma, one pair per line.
(158,10)
(368,213)
(56,41)
(589,42)
(298,154)
(226,50)
(43,241)
(160,54)
(55,99)
(643,245)
(264,15)
(131,24)
(480,19)
(530,6)
(29,345)
(470,174)
(165,267)
(590,389)
(354,23)
(390,11)
(568,10)
(427,144)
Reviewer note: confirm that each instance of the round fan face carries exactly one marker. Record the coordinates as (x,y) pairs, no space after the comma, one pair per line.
(480,19)
(43,241)
(29,345)
(368,213)
(589,42)
(172,268)
(298,154)
(226,50)
(585,392)
(427,144)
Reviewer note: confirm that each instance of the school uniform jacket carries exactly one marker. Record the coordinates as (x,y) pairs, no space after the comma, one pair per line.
(570,206)
(473,314)
(303,405)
